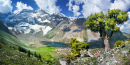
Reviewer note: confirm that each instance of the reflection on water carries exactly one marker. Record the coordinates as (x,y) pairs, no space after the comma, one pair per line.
(54,44)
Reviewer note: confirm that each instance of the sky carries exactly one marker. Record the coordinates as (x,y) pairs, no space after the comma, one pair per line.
(70,8)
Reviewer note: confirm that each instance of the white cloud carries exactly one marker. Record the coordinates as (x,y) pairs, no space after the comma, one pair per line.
(126,26)
(95,6)
(70,5)
(90,6)
(20,6)
(48,5)
(5,6)
(75,10)
(121,4)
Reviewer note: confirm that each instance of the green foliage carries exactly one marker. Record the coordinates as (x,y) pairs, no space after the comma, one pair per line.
(127,62)
(0,46)
(39,56)
(76,46)
(118,43)
(28,53)
(35,54)
(69,57)
(128,40)
(95,22)
(22,49)
(49,59)
(101,22)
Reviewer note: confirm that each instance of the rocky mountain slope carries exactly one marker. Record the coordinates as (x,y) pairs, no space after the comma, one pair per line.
(4,28)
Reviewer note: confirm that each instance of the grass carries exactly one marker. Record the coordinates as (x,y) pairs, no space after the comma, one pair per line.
(47,53)
(10,38)
(43,50)
(9,55)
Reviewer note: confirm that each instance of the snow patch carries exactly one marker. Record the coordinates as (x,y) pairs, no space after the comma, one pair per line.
(46,21)
(46,29)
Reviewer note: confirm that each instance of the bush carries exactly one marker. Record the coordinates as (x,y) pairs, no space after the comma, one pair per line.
(128,40)
(76,46)
(118,43)
(69,57)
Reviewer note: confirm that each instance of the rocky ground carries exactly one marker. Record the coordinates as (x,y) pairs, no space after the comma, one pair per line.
(117,56)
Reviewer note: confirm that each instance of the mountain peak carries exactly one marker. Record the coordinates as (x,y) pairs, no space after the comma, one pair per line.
(26,10)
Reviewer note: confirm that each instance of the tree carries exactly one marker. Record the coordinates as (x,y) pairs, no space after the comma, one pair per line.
(35,54)
(99,22)
(28,53)
(76,46)
(39,56)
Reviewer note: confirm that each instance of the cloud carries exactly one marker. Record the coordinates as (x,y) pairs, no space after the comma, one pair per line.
(90,6)
(20,6)
(126,26)
(75,10)
(121,4)
(96,6)
(48,5)
(5,6)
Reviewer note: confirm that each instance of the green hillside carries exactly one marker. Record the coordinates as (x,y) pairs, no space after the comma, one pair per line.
(11,54)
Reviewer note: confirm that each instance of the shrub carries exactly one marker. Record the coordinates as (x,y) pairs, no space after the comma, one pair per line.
(76,46)
(69,57)
(118,43)
(14,47)
(128,40)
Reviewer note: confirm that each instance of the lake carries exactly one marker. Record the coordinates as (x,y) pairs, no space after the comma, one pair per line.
(54,44)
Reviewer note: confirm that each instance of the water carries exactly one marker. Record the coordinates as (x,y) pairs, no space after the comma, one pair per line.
(54,44)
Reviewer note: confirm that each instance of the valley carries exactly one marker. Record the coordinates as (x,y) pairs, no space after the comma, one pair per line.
(40,38)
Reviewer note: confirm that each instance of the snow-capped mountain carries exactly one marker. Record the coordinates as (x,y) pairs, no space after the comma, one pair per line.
(33,27)
(28,21)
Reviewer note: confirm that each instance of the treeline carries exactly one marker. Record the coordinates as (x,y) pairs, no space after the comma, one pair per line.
(29,53)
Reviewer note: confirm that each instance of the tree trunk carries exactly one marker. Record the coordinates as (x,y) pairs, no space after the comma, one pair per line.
(106,43)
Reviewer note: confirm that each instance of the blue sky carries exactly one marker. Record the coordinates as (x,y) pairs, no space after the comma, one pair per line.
(70,8)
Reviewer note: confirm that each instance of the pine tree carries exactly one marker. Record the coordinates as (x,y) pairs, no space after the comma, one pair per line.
(28,53)
(99,22)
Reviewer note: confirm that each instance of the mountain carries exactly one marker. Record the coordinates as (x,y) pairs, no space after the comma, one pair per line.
(4,28)
(33,27)
(13,51)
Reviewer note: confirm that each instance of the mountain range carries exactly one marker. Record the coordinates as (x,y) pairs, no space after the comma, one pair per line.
(32,27)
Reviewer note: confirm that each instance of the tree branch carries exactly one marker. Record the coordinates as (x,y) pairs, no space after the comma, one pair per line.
(103,33)
(110,35)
